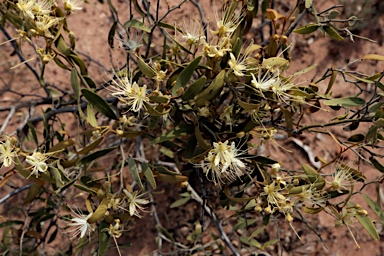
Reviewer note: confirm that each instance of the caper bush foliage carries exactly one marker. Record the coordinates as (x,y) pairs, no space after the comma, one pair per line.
(204,100)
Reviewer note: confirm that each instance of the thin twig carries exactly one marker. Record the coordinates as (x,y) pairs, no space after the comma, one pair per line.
(15,192)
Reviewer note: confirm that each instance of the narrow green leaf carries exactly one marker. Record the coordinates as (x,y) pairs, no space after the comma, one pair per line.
(366,222)
(195,88)
(95,155)
(356,138)
(375,207)
(145,68)
(137,24)
(332,33)
(311,210)
(307,29)
(91,117)
(111,35)
(165,233)
(80,63)
(99,103)
(135,172)
(86,189)
(312,174)
(212,90)
(345,102)
(104,239)
(75,83)
(377,164)
(11,223)
(100,211)
(148,174)
(180,202)
(174,133)
(186,75)
(61,45)
(90,147)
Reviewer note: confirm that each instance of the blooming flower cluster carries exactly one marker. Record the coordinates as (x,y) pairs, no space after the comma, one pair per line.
(223,162)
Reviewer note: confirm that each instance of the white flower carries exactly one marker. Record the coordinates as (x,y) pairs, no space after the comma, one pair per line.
(229,21)
(73,5)
(223,161)
(42,8)
(342,178)
(38,163)
(192,33)
(135,201)
(25,7)
(80,222)
(130,93)
(217,50)
(44,23)
(7,152)
(133,44)
(264,82)
(272,191)
(240,65)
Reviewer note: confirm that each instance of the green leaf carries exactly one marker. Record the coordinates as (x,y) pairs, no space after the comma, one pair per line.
(11,223)
(312,174)
(62,46)
(366,222)
(100,211)
(250,241)
(195,88)
(111,35)
(104,239)
(179,202)
(212,90)
(356,138)
(307,29)
(135,172)
(174,133)
(148,174)
(95,155)
(99,103)
(333,14)
(345,102)
(311,210)
(165,233)
(258,231)
(80,63)
(91,117)
(185,75)
(86,189)
(145,68)
(375,207)
(137,24)
(153,112)
(90,147)
(62,145)
(332,33)
(377,164)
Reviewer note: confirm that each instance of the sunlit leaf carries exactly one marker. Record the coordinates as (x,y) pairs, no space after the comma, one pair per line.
(345,102)
(137,24)
(307,29)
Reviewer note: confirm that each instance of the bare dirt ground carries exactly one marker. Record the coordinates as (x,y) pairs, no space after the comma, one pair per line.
(91,26)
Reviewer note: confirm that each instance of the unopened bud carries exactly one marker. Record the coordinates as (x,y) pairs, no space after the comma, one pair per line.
(283,39)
